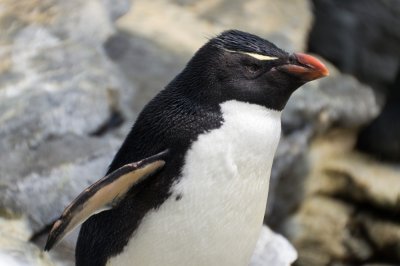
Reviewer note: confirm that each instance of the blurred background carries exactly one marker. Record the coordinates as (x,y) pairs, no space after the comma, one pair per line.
(74,75)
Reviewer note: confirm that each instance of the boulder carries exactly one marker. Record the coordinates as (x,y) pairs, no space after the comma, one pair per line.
(336,101)
(341,172)
(57,89)
(14,248)
(319,230)
(350,207)
(383,233)
(185,25)
(52,174)
(312,111)
(359,36)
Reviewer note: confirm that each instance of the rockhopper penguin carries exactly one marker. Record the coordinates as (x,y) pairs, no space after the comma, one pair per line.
(189,184)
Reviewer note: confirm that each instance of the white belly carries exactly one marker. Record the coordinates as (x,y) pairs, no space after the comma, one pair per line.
(224,188)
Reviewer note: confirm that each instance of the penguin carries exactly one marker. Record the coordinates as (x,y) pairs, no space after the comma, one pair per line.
(189,184)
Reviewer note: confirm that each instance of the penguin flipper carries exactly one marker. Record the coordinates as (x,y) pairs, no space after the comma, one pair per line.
(103,195)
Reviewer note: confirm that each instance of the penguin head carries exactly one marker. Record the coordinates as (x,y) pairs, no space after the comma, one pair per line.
(241,66)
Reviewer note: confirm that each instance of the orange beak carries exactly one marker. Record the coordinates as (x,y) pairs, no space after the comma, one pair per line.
(305,67)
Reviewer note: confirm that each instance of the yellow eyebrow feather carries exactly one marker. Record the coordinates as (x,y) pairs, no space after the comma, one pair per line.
(254,55)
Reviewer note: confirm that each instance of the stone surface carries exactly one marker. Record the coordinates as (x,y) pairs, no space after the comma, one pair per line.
(381,137)
(116,9)
(273,249)
(317,244)
(288,173)
(336,101)
(57,88)
(53,174)
(313,110)
(146,63)
(14,248)
(361,37)
(350,208)
(384,233)
(189,23)
(340,172)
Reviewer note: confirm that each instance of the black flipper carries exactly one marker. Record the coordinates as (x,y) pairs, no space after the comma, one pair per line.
(103,195)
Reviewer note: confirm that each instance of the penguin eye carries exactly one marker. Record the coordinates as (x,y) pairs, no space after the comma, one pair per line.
(252,71)
(253,68)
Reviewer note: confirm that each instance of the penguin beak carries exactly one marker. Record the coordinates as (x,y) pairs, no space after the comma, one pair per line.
(305,67)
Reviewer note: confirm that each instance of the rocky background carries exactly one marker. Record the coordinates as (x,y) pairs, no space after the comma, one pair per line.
(74,75)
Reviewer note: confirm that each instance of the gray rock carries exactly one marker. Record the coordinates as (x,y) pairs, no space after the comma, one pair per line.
(52,174)
(273,250)
(284,24)
(183,26)
(350,206)
(14,248)
(57,88)
(289,171)
(62,87)
(116,9)
(344,173)
(361,37)
(146,63)
(336,101)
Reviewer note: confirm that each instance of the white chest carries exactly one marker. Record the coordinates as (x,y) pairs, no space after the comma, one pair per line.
(223,190)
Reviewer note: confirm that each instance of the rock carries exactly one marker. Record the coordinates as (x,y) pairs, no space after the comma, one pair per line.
(384,234)
(14,248)
(350,207)
(313,110)
(381,137)
(289,170)
(53,174)
(66,84)
(279,24)
(116,9)
(319,229)
(57,89)
(177,24)
(360,37)
(379,264)
(329,102)
(273,250)
(341,172)
(146,63)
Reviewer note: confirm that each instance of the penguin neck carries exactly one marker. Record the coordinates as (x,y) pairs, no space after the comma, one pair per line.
(198,86)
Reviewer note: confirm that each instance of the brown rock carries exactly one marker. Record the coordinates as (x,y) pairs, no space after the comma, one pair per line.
(351,175)
(319,229)
(384,234)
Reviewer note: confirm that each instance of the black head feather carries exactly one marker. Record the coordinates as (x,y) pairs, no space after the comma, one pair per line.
(236,40)
(224,70)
